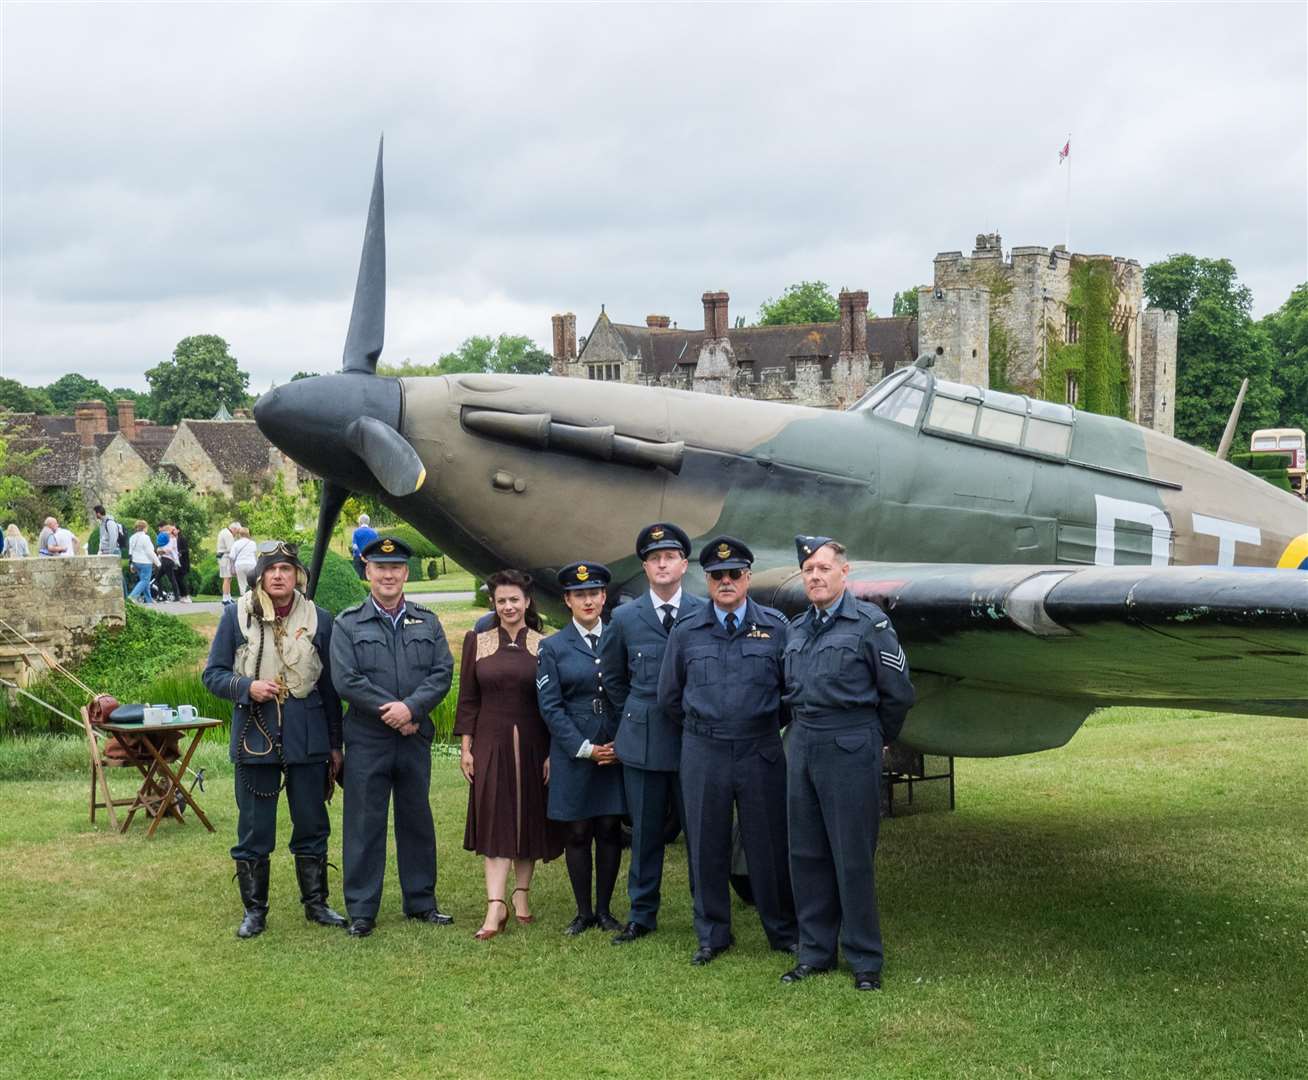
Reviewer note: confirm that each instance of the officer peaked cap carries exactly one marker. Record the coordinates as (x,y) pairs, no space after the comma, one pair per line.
(661,536)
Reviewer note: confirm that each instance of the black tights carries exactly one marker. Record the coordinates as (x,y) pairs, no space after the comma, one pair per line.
(607,834)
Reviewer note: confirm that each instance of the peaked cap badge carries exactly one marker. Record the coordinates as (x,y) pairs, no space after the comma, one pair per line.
(724,551)
(387,546)
(657,534)
(583,574)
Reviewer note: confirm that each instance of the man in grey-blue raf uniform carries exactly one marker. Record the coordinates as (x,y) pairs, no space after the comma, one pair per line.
(848,689)
(722,681)
(392,666)
(648,742)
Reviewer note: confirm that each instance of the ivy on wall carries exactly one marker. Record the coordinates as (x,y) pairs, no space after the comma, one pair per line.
(1098,356)
(1001,287)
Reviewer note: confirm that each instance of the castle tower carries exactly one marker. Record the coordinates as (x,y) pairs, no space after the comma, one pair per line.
(953,324)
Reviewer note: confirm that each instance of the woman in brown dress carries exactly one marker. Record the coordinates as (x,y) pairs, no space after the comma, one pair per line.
(505,754)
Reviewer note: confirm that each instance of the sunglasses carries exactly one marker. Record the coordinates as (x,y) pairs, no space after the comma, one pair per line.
(735,573)
(279,547)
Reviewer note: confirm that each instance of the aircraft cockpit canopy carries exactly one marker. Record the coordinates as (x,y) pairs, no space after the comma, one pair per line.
(914,396)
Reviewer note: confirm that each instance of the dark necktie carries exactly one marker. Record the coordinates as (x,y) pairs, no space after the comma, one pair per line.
(667,616)
(823,618)
(593,639)
(731,622)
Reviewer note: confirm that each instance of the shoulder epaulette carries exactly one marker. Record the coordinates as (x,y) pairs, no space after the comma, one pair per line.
(779,616)
(352,608)
(413,605)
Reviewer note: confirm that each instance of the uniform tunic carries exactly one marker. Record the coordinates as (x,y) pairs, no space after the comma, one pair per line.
(848,689)
(510,745)
(648,742)
(310,729)
(725,690)
(570,691)
(375,661)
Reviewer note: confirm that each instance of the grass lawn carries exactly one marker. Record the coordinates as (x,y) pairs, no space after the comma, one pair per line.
(1133,905)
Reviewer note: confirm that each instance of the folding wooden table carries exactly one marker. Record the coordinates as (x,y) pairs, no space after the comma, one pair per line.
(160,781)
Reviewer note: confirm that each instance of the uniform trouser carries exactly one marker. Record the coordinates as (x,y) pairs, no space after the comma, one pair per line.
(648,794)
(256,818)
(379,765)
(749,774)
(834,806)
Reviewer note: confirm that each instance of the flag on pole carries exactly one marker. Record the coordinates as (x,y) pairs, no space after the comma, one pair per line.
(1067,149)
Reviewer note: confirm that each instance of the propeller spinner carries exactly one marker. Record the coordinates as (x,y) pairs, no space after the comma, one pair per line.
(346,427)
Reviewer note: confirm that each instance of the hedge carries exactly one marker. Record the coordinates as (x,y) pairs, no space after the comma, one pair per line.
(421,547)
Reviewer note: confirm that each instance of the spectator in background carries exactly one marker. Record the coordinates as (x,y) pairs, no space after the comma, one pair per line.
(15,546)
(364,535)
(244,555)
(61,543)
(167,548)
(141,551)
(109,544)
(226,537)
(47,530)
(183,565)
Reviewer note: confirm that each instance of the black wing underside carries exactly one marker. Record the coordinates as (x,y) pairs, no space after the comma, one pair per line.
(1009,659)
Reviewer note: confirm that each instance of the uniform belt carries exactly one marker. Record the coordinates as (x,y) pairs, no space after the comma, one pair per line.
(836,719)
(730,731)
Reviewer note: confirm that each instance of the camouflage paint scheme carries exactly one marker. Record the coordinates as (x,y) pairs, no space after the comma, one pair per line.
(1028,591)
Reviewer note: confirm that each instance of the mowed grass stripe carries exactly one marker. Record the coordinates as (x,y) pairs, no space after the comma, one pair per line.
(1132,905)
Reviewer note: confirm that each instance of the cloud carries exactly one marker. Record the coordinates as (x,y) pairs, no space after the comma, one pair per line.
(182,169)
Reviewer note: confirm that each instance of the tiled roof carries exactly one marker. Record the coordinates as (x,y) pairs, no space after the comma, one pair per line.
(151,442)
(235,447)
(894,340)
(58,466)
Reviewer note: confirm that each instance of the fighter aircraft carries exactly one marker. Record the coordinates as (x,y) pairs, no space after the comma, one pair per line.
(1038,562)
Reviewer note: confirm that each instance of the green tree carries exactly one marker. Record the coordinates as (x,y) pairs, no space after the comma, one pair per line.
(201,376)
(904,303)
(276,514)
(1217,345)
(160,499)
(1287,327)
(15,491)
(303,375)
(807,302)
(65,392)
(19,398)
(141,398)
(508,354)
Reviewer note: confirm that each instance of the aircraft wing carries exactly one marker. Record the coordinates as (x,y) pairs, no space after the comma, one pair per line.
(1031,650)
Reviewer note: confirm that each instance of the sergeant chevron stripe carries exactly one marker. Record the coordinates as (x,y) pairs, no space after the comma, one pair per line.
(542,681)
(896,660)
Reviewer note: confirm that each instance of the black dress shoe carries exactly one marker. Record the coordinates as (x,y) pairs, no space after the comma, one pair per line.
(360,927)
(631,932)
(580,925)
(607,922)
(706,954)
(867,980)
(803,971)
(435,916)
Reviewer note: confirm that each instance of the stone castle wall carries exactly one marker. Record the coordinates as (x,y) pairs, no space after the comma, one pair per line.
(953,324)
(57,603)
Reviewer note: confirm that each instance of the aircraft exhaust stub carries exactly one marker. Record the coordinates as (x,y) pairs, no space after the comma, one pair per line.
(537,430)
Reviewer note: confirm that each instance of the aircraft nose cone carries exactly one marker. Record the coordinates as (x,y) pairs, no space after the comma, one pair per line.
(270,414)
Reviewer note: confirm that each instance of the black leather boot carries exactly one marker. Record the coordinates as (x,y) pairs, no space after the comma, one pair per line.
(252,880)
(311,872)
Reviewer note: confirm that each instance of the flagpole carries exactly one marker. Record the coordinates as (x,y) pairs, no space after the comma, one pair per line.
(1067,221)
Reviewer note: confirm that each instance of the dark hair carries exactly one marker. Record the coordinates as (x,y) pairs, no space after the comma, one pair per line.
(97,509)
(515,579)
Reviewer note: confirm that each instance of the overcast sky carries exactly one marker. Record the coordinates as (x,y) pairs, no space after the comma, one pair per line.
(176,170)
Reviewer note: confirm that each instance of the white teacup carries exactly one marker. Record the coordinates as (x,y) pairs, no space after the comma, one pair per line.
(187,712)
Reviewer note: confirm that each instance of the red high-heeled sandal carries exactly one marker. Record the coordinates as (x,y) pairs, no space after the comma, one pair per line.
(525,920)
(485,935)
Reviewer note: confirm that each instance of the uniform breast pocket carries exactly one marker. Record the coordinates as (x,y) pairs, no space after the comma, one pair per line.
(835,651)
(701,664)
(420,646)
(647,665)
(373,652)
(760,661)
(790,662)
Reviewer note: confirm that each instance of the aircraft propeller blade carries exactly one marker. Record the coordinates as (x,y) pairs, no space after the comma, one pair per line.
(387,454)
(363,343)
(329,509)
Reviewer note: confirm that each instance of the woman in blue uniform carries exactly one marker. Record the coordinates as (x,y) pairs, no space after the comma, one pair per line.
(585,777)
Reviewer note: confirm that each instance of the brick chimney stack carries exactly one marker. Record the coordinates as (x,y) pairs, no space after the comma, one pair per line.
(849,374)
(715,315)
(91,418)
(127,418)
(658,322)
(564,329)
